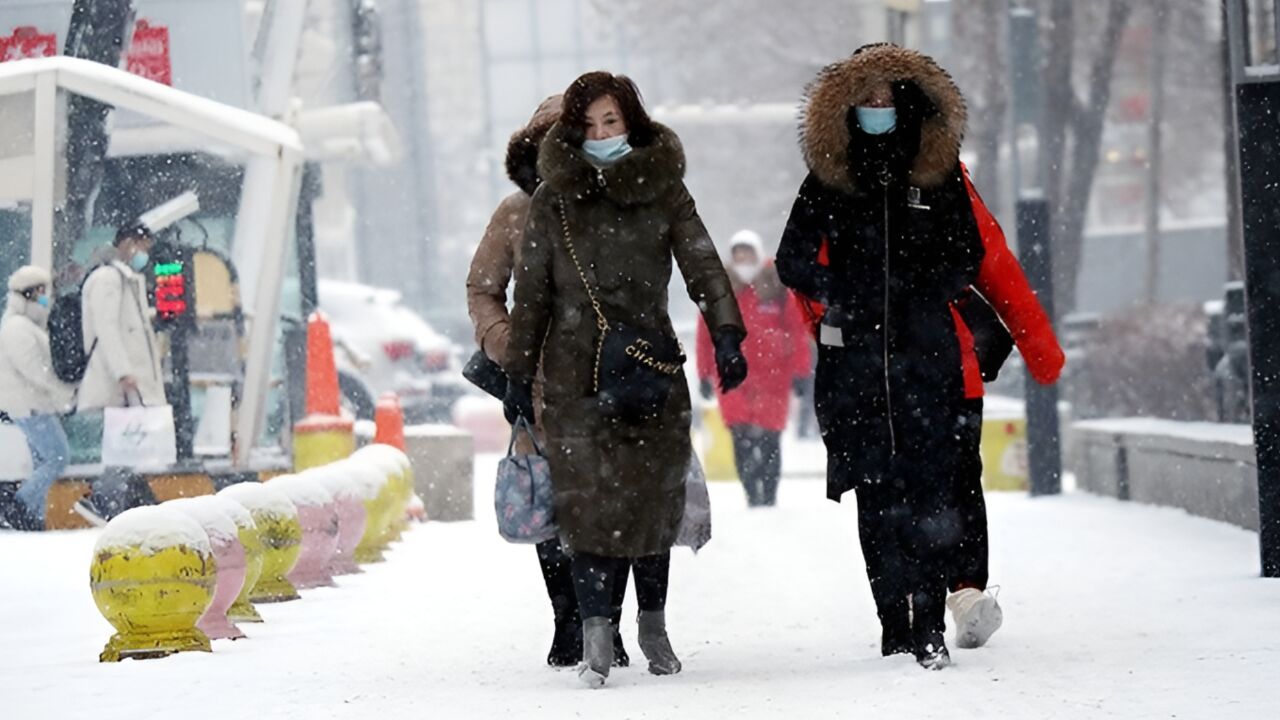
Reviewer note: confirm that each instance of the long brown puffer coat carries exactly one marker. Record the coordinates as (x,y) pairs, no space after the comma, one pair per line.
(619,488)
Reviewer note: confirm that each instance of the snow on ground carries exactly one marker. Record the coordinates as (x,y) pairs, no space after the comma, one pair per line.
(1112,611)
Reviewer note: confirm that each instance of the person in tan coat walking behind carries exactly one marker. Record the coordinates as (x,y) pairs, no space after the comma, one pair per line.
(492,268)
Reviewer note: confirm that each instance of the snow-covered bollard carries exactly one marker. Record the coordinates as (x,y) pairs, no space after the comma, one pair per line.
(348,498)
(242,611)
(395,465)
(280,534)
(224,540)
(389,492)
(319,520)
(369,481)
(153,576)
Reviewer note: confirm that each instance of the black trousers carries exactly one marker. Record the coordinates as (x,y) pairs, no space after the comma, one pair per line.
(595,579)
(757,453)
(908,538)
(969,565)
(557,573)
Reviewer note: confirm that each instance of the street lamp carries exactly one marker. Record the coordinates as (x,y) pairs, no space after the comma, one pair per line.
(1257,103)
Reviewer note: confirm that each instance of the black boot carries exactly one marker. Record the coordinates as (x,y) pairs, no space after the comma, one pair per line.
(927,630)
(896,641)
(566,645)
(14,514)
(620,657)
(894,611)
(931,651)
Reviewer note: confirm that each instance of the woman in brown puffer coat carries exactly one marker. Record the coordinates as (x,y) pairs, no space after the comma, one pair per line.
(491,272)
(613,183)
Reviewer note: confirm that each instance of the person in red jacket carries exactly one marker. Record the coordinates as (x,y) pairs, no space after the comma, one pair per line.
(777,350)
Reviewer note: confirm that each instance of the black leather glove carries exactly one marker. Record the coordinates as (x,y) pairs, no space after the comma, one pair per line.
(518,402)
(705,387)
(486,374)
(730,362)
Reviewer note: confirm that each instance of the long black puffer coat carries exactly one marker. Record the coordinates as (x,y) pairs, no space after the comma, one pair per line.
(883,233)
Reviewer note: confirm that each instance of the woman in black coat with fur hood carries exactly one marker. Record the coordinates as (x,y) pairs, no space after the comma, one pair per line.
(883,235)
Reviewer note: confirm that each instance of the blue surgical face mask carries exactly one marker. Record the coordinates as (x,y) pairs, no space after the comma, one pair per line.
(42,301)
(877,121)
(139,260)
(608,151)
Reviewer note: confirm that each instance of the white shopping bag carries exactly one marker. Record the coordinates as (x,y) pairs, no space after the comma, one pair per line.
(138,437)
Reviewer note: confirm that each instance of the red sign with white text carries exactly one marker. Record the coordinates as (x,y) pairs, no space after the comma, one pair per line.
(28,42)
(149,53)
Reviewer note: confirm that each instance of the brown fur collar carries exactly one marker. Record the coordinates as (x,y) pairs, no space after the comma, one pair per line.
(824,136)
(522,149)
(642,177)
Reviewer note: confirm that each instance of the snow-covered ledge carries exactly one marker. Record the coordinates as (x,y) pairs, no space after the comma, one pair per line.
(1207,469)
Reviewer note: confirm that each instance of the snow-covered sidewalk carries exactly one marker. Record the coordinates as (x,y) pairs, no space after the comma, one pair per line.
(1111,610)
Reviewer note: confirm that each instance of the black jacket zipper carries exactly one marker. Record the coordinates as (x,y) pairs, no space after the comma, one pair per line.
(884,326)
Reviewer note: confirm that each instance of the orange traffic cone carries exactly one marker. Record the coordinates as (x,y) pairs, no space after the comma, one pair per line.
(324,435)
(389,419)
(323,396)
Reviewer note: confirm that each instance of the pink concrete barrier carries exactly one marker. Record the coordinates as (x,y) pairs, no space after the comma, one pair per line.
(318,516)
(211,513)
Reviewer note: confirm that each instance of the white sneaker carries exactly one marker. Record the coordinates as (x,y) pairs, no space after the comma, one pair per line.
(85,508)
(977,616)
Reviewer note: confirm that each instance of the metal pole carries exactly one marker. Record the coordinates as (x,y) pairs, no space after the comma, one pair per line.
(1044,447)
(1257,97)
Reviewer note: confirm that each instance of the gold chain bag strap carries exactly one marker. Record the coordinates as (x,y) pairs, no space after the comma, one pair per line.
(635,368)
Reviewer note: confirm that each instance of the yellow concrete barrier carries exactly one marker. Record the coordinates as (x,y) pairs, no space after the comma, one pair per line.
(152,576)
(280,534)
(1004,453)
(717,446)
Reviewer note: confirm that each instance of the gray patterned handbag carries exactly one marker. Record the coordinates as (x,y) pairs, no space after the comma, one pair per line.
(522,496)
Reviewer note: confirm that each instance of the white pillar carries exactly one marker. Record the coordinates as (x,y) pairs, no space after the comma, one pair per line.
(268,205)
(43,181)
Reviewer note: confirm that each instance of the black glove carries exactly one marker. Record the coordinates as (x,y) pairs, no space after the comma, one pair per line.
(801,386)
(486,374)
(730,362)
(705,387)
(518,402)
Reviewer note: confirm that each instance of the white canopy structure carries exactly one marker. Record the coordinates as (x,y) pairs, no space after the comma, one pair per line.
(274,153)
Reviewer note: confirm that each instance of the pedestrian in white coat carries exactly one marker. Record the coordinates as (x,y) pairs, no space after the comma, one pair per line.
(123,368)
(31,395)
(124,354)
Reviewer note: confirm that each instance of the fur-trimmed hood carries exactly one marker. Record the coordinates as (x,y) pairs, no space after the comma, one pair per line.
(645,175)
(522,149)
(824,131)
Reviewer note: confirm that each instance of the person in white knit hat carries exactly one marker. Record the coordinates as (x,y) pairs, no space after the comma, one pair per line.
(31,395)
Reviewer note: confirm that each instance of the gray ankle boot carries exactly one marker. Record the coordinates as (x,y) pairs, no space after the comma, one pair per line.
(597,651)
(655,645)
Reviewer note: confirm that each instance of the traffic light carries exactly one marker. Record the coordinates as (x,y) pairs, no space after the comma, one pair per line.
(171,290)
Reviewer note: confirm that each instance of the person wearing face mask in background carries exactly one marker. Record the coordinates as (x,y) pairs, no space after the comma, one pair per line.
(31,395)
(119,340)
(778,352)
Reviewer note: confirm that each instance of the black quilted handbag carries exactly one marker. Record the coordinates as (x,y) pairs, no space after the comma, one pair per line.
(635,367)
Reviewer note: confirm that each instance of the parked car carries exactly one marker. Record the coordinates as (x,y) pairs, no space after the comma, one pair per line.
(383,346)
